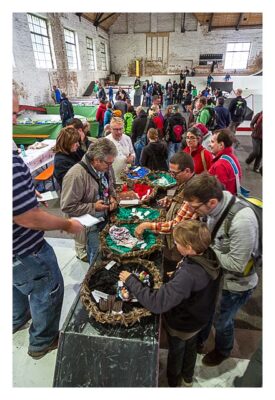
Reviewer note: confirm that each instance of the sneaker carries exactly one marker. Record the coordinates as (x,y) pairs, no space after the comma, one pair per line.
(84,258)
(213,358)
(39,354)
(187,382)
(23,325)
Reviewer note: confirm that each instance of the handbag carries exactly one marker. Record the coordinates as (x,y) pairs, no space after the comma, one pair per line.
(240,189)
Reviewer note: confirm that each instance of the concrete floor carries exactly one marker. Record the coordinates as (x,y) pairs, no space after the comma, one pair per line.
(30,373)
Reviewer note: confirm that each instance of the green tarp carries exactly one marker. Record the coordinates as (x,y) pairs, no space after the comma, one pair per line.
(36,129)
(86,111)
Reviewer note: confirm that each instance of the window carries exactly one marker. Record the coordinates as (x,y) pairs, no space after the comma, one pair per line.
(40,42)
(103,56)
(90,52)
(70,48)
(236,55)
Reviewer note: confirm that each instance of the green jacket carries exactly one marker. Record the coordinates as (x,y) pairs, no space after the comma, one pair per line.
(128,122)
(203,116)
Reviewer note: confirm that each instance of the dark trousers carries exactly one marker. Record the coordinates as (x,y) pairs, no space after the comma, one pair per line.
(182,355)
(256,154)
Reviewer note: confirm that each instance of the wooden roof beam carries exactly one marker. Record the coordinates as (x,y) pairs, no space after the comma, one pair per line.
(239,21)
(210,22)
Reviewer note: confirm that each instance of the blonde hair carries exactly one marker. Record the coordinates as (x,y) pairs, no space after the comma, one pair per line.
(194,234)
(153,134)
(116,120)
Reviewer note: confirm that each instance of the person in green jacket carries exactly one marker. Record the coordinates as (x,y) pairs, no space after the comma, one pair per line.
(128,120)
(203,116)
(194,91)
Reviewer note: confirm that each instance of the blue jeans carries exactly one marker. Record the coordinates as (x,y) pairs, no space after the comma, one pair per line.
(148,101)
(182,355)
(138,147)
(93,240)
(230,304)
(38,287)
(172,149)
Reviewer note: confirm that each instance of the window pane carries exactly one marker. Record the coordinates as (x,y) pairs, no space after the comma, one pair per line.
(230,47)
(40,42)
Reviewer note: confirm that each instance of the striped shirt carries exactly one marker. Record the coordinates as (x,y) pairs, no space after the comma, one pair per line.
(25,240)
(166,227)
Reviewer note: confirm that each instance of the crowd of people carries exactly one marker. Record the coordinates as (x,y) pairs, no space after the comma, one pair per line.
(193,139)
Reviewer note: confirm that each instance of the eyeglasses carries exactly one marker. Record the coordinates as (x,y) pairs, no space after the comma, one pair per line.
(107,163)
(117,129)
(197,206)
(191,138)
(175,173)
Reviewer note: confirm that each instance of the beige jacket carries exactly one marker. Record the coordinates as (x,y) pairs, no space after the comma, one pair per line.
(80,190)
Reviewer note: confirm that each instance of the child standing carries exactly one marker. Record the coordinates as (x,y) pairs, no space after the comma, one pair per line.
(187,301)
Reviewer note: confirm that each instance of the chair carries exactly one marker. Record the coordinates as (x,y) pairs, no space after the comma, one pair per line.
(46,175)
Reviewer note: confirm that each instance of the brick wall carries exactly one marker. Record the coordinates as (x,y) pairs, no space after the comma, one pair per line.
(184,47)
(34,84)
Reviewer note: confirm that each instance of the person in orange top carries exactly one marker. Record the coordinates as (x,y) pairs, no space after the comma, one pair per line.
(202,158)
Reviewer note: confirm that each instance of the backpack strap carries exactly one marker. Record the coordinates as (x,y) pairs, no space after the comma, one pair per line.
(203,160)
(222,218)
(235,170)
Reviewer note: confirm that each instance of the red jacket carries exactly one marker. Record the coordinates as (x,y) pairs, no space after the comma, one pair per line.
(197,158)
(223,170)
(100,113)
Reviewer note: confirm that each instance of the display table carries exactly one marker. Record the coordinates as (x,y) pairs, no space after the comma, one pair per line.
(88,111)
(37,158)
(40,126)
(91,354)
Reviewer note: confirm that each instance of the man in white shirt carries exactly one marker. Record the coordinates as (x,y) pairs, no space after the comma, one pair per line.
(123,143)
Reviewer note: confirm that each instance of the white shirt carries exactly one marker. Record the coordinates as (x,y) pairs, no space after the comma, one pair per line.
(124,149)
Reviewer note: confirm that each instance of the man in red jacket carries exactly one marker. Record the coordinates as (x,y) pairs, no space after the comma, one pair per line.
(100,117)
(221,145)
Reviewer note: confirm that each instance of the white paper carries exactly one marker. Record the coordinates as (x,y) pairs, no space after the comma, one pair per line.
(136,169)
(48,196)
(147,213)
(110,265)
(129,202)
(88,220)
(97,294)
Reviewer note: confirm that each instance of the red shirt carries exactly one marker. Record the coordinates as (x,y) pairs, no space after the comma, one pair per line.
(223,170)
(100,113)
(197,158)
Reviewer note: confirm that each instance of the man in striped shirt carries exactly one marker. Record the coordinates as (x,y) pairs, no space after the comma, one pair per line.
(38,286)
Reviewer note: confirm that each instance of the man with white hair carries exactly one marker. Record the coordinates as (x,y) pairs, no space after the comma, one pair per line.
(237,109)
(124,146)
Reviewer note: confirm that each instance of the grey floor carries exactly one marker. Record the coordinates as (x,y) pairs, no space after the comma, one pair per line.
(30,373)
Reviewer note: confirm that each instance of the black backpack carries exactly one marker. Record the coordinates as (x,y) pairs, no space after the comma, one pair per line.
(240,109)
(212,122)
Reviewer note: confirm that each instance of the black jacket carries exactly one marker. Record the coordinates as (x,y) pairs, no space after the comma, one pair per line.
(232,107)
(139,125)
(154,156)
(222,117)
(188,299)
(66,110)
(174,119)
(62,164)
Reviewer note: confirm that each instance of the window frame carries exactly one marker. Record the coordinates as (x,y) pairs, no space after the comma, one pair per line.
(90,52)
(233,52)
(69,47)
(43,42)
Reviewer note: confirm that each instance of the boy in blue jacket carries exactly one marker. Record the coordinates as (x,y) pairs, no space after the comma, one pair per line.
(187,301)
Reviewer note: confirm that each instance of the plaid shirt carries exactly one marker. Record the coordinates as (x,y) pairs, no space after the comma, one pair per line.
(167,226)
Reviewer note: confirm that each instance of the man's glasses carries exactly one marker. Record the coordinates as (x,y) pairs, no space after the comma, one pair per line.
(174,173)
(197,206)
(117,129)
(108,163)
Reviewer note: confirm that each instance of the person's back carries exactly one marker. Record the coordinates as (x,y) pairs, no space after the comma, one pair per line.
(154,154)
(237,108)
(66,109)
(222,114)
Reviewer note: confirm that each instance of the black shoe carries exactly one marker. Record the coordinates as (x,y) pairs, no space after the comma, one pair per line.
(173,381)
(23,325)
(187,382)
(39,354)
(213,358)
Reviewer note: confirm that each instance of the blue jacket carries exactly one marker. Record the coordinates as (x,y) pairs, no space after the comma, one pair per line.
(107,116)
(222,117)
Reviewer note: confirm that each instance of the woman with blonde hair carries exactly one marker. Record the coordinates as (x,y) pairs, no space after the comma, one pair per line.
(66,155)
